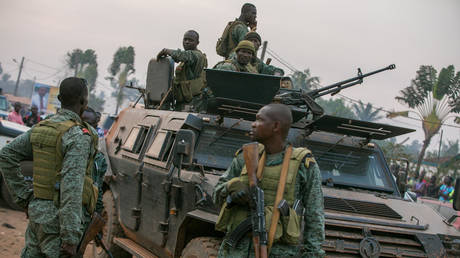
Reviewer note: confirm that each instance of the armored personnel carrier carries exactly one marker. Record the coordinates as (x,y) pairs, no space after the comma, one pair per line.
(164,165)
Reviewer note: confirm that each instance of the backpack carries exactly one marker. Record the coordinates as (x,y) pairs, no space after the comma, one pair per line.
(223,47)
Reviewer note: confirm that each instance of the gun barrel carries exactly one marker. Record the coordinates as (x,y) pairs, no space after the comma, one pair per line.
(346,83)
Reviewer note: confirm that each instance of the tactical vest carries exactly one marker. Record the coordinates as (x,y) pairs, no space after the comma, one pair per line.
(46,140)
(185,90)
(225,44)
(288,229)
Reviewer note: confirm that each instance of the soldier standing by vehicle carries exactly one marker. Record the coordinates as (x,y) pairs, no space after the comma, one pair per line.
(236,30)
(303,183)
(100,164)
(189,78)
(241,62)
(61,147)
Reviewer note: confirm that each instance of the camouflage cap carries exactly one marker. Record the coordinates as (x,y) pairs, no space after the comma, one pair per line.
(253,35)
(246,44)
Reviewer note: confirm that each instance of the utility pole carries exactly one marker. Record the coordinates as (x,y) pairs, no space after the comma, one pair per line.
(19,77)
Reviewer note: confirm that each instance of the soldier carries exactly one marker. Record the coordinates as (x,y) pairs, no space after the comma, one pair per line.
(241,62)
(189,80)
(61,148)
(271,129)
(286,83)
(236,30)
(261,67)
(100,164)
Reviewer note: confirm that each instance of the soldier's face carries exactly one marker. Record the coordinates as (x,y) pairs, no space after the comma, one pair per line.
(263,127)
(190,41)
(90,118)
(286,84)
(251,15)
(244,56)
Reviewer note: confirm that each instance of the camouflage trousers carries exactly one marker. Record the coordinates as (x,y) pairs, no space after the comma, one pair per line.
(244,248)
(42,240)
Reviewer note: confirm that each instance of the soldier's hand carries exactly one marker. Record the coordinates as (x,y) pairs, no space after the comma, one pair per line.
(69,249)
(240,197)
(163,53)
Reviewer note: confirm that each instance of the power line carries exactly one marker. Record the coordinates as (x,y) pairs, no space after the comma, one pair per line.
(44,65)
(389,112)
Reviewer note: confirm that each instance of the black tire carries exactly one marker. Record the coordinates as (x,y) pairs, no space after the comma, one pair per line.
(111,229)
(202,247)
(8,199)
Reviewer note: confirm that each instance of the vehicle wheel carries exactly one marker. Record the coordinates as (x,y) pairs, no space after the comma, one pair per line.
(111,229)
(8,199)
(202,247)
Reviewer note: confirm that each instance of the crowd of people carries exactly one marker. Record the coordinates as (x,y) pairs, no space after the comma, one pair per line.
(19,116)
(422,186)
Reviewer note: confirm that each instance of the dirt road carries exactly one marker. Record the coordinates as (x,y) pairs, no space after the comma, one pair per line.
(13,225)
(12,228)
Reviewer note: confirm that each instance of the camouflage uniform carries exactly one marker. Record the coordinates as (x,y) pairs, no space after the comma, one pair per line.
(307,189)
(232,64)
(238,32)
(50,224)
(192,63)
(262,67)
(99,169)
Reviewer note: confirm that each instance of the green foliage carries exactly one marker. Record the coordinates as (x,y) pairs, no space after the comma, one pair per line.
(84,65)
(122,66)
(1,69)
(366,112)
(304,80)
(336,107)
(435,97)
(6,77)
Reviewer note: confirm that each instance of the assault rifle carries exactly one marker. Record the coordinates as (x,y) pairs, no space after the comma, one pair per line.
(92,233)
(300,97)
(256,201)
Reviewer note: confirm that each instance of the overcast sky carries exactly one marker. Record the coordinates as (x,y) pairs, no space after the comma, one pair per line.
(331,38)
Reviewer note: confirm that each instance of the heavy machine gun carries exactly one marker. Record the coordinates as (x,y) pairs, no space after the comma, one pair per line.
(301,98)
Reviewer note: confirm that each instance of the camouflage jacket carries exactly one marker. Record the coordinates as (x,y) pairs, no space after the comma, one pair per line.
(76,146)
(238,33)
(99,169)
(192,63)
(233,65)
(307,189)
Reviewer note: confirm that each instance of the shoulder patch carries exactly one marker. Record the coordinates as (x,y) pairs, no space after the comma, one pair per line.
(85,131)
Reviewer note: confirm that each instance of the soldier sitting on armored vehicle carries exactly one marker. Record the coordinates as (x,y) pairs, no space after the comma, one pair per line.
(245,51)
(189,76)
(236,30)
(261,67)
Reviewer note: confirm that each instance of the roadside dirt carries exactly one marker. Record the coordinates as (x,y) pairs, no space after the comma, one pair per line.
(13,226)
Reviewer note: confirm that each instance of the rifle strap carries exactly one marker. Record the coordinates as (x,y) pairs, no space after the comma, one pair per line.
(279,196)
(260,166)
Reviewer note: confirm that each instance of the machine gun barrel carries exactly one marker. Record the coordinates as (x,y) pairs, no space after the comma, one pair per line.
(336,87)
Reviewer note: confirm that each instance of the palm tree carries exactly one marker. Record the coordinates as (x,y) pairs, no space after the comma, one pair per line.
(304,80)
(84,65)
(365,113)
(434,98)
(122,66)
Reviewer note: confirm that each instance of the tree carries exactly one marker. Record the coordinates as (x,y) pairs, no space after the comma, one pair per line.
(433,97)
(336,107)
(122,66)
(304,80)
(6,77)
(84,65)
(366,112)
(1,69)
